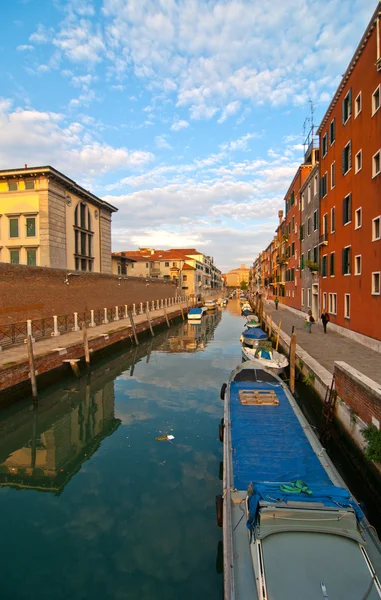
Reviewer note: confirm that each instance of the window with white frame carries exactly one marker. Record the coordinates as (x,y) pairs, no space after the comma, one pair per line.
(332,132)
(332,303)
(309,194)
(358,264)
(346,158)
(324,185)
(358,218)
(358,104)
(358,161)
(376,100)
(376,283)
(333,175)
(302,296)
(325,300)
(376,229)
(302,202)
(346,260)
(309,297)
(347,306)
(347,209)
(332,219)
(315,184)
(347,107)
(324,145)
(325,223)
(376,164)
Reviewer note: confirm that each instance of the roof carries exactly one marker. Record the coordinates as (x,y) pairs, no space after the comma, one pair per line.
(351,65)
(187,267)
(122,255)
(70,184)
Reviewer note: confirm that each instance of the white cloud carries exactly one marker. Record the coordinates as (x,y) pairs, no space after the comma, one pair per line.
(80,42)
(241,144)
(180,124)
(230,109)
(161,142)
(25,48)
(42,36)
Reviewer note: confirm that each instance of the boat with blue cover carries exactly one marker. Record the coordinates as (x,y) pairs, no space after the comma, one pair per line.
(252,336)
(195,314)
(291,528)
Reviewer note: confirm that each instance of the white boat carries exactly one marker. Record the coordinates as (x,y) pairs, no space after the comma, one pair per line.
(252,337)
(210,304)
(252,321)
(273,360)
(195,314)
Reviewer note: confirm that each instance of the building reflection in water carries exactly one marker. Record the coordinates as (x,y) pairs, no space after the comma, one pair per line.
(191,336)
(43,447)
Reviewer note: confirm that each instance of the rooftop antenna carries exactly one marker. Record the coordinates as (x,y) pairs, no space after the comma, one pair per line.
(312,109)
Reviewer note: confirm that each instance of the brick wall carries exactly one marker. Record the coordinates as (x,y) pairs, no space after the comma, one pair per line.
(360,393)
(36,292)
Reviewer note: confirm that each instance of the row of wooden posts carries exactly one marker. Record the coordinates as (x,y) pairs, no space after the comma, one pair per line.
(257,306)
(129,314)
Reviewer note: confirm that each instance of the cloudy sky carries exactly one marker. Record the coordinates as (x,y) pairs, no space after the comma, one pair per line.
(187,115)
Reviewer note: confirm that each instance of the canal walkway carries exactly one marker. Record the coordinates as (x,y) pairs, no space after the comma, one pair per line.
(327,348)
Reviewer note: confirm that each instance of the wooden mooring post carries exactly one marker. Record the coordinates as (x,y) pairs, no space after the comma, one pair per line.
(292,362)
(166,316)
(270,327)
(182,313)
(133,328)
(278,335)
(32,369)
(149,323)
(86,345)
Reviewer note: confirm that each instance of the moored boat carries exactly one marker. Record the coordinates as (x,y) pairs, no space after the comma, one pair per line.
(252,321)
(266,357)
(291,528)
(210,304)
(253,336)
(195,314)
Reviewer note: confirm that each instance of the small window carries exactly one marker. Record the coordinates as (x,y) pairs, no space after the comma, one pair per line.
(376,284)
(167,264)
(185,277)
(376,100)
(12,186)
(302,202)
(332,264)
(347,158)
(358,218)
(333,175)
(376,229)
(315,220)
(293,224)
(13,228)
(324,265)
(346,260)
(309,226)
(376,164)
(358,161)
(358,264)
(147,265)
(325,144)
(31,257)
(29,185)
(15,257)
(30,227)
(293,249)
(347,107)
(302,296)
(309,194)
(332,134)
(332,219)
(358,105)
(325,300)
(174,264)
(308,297)
(302,262)
(347,306)
(347,209)
(132,265)
(119,269)
(325,224)
(315,184)
(332,299)
(323,185)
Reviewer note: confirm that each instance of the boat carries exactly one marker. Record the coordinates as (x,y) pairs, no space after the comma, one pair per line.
(252,321)
(266,357)
(210,304)
(195,314)
(291,528)
(253,336)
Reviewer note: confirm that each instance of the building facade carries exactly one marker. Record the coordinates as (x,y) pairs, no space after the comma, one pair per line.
(350,190)
(235,277)
(48,220)
(309,243)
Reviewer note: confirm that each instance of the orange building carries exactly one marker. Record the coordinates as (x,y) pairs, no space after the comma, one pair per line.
(350,192)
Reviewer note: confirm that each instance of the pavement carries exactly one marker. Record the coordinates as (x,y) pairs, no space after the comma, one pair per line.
(327,348)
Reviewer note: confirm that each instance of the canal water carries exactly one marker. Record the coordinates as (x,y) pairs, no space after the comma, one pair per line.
(91,504)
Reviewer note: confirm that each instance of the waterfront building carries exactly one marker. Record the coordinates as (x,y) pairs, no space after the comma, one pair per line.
(350,190)
(309,242)
(235,277)
(48,220)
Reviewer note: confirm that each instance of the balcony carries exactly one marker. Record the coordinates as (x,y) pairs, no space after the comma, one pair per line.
(323,239)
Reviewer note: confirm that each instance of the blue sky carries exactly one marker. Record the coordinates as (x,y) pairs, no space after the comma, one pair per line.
(186,115)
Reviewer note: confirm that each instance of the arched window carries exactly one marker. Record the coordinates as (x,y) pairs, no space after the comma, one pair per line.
(83,238)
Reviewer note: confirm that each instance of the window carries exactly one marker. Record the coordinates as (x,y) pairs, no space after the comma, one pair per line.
(293,249)
(315,254)
(12,186)
(29,185)
(376,164)
(347,306)
(315,220)
(376,229)
(15,257)
(309,255)
(167,264)
(31,257)
(347,209)
(302,262)
(13,228)
(333,175)
(301,233)
(358,264)
(119,269)
(147,265)
(347,107)
(325,224)
(30,227)
(185,277)
(332,219)
(324,266)
(309,226)
(83,238)
(346,260)
(332,134)
(293,224)
(358,218)
(303,296)
(325,300)
(309,297)
(174,264)
(346,158)
(324,145)
(323,185)
(332,264)
(358,104)
(132,265)
(309,194)
(376,284)
(358,161)
(332,299)
(376,100)
(315,184)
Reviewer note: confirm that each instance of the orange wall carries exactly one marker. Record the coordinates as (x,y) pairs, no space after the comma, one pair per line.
(365,133)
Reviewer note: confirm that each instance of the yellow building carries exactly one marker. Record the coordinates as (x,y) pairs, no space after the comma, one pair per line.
(235,277)
(47,219)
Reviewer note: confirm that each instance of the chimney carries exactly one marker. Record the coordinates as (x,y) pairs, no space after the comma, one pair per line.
(280,215)
(25,166)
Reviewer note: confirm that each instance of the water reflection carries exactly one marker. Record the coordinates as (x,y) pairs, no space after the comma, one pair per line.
(192,336)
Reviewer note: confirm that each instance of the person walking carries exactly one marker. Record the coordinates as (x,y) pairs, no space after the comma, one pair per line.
(309,320)
(276,302)
(324,319)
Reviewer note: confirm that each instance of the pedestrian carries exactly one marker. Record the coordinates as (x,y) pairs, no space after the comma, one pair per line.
(308,321)
(324,319)
(276,302)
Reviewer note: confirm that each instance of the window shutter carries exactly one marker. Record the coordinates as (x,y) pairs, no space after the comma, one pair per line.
(343,261)
(343,111)
(350,207)
(343,161)
(349,155)
(350,102)
(349,260)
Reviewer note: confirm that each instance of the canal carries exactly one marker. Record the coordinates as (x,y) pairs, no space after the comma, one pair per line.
(91,504)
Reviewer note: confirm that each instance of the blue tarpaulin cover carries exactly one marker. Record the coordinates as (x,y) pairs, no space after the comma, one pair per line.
(195,311)
(255,333)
